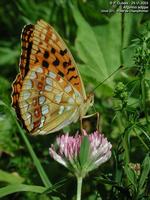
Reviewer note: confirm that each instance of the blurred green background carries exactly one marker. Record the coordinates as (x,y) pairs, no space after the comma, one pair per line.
(100,43)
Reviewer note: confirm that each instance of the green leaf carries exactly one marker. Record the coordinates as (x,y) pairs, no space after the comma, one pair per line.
(8,56)
(88,49)
(145,171)
(12,178)
(8,140)
(108,37)
(131,176)
(84,151)
(103,91)
(20,188)
(4,89)
(91,12)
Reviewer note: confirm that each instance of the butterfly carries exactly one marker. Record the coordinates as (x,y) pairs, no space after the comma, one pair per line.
(48,93)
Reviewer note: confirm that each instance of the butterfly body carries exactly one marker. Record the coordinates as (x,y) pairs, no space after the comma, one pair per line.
(48,93)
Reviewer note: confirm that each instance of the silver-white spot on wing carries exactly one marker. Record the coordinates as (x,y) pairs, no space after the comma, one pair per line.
(33,75)
(28,115)
(61,110)
(31,126)
(49,81)
(45,109)
(39,70)
(24,106)
(77,97)
(68,108)
(28,118)
(71,100)
(48,88)
(41,132)
(28,84)
(52,75)
(42,122)
(26,95)
(68,88)
(58,97)
(41,100)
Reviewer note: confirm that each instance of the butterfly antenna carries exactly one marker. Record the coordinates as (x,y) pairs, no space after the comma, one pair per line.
(108,77)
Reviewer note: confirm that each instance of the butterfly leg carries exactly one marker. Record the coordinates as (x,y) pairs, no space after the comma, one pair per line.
(89,116)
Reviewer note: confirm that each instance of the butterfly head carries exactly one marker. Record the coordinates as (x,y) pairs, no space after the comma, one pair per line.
(88,102)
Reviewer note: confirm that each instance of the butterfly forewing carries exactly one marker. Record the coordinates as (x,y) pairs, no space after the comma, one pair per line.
(48,91)
(49,50)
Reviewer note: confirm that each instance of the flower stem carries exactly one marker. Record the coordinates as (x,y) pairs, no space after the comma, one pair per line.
(79,187)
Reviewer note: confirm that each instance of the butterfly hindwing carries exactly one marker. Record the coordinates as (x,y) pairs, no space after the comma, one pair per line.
(47,101)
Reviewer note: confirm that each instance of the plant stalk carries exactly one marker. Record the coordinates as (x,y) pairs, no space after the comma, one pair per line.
(122,37)
(79,187)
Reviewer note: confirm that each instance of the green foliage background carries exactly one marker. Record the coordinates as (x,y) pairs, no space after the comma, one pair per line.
(100,44)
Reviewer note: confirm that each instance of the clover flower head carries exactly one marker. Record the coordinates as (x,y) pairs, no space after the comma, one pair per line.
(81,153)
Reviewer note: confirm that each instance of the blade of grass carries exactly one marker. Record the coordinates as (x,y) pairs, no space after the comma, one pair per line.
(11,178)
(144,172)
(36,161)
(140,138)
(20,188)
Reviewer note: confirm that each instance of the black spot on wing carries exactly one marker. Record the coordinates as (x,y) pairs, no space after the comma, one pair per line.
(65,64)
(53,50)
(61,74)
(56,62)
(73,77)
(69,63)
(76,83)
(63,52)
(71,69)
(45,64)
(38,51)
(46,54)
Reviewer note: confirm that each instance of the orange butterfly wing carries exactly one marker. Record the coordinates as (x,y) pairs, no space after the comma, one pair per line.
(47,69)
